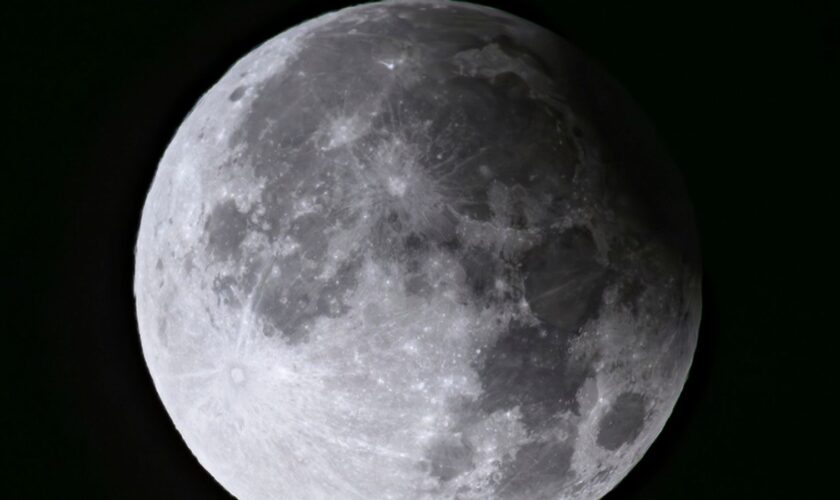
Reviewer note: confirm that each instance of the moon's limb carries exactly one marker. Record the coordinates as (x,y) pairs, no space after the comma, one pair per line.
(404,251)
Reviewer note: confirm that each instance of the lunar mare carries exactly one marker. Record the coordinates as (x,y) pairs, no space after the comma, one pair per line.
(417,250)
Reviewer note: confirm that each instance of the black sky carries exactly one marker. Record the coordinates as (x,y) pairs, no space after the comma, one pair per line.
(742,96)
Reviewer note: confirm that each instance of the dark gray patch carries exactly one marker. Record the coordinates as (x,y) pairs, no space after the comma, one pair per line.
(417,284)
(237,94)
(416,244)
(285,306)
(480,269)
(516,216)
(290,302)
(449,459)
(410,252)
(308,230)
(451,245)
(623,421)
(395,237)
(539,471)
(629,293)
(226,229)
(529,367)
(563,279)
(388,239)
(512,85)
(189,265)
(441,227)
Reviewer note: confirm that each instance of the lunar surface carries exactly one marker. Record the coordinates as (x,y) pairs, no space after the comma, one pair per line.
(417,250)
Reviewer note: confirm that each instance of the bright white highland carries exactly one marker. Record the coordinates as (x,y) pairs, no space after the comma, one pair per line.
(376,400)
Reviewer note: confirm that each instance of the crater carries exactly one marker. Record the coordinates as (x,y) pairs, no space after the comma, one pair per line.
(237,94)
(237,375)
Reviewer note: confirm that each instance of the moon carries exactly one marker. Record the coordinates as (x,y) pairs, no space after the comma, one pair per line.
(417,250)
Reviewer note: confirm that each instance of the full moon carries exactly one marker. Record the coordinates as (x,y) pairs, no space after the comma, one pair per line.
(417,250)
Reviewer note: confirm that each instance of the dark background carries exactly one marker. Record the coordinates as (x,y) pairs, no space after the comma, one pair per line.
(742,94)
